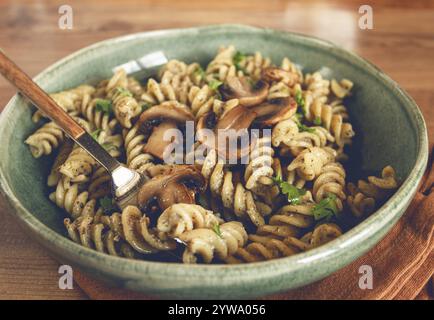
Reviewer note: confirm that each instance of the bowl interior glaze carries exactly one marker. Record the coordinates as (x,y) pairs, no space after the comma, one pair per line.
(389,128)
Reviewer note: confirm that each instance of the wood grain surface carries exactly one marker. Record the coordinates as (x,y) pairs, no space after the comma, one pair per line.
(401,43)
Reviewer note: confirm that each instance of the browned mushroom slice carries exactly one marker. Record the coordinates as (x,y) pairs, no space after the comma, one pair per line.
(156,144)
(272,74)
(275,110)
(176,186)
(157,120)
(242,89)
(228,130)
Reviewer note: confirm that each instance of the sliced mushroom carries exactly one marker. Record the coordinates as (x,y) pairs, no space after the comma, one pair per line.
(157,120)
(275,110)
(228,130)
(273,74)
(241,88)
(156,144)
(176,186)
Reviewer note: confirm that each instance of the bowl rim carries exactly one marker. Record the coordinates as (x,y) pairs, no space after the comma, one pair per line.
(331,250)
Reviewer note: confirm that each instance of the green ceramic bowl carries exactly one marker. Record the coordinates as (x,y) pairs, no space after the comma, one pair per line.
(390,130)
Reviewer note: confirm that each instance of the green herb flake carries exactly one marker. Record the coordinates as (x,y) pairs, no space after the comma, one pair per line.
(326,208)
(107,204)
(214,84)
(300,102)
(199,72)
(104,106)
(108,146)
(216,229)
(299,116)
(123,92)
(95,134)
(317,121)
(237,59)
(304,128)
(293,193)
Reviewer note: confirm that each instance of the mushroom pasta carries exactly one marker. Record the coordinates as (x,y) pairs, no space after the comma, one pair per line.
(244,160)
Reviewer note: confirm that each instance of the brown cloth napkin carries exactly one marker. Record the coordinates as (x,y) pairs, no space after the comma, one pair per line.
(402,263)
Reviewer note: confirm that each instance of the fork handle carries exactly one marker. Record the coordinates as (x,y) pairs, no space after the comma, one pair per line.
(38,96)
(49,107)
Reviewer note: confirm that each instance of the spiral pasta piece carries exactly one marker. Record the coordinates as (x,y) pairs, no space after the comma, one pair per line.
(125,108)
(323,234)
(44,140)
(222,66)
(367,195)
(208,243)
(157,93)
(259,167)
(64,151)
(253,65)
(233,196)
(69,100)
(99,184)
(68,196)
(310,162)
(359,203)
(182,217)
(139,235)
(90,232)
(137,159)
(261,249)
(287,133)
(316,85)
(179,74)
(341,89)
(78,166)
(99,119)
(289,221)
(201,100)
(118,81)
(331,180)
(112,143)
(135,88)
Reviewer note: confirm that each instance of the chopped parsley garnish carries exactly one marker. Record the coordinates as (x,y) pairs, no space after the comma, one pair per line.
(123,92)
(300,102)
(214,84)
(108,146)
(107,204)
(199,72)
(317,121)
(95,134)
(237,59)
(293,193)
(104,106)
(216,229)
(299,116)
(303,127)
(326,208)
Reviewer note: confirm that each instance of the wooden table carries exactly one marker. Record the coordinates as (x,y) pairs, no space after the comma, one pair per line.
(401,43)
